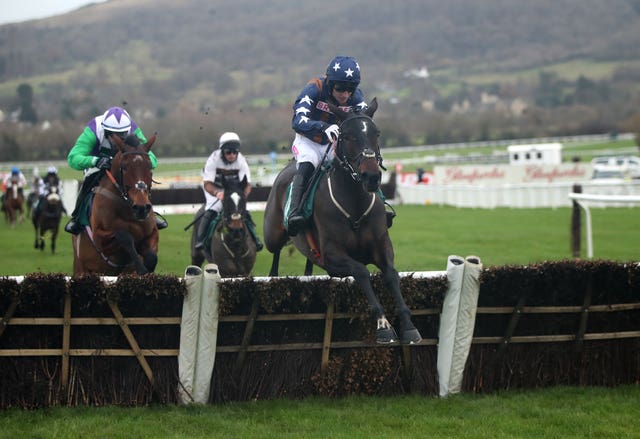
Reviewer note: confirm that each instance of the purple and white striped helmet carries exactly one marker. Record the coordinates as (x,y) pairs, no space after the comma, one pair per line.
(117,120)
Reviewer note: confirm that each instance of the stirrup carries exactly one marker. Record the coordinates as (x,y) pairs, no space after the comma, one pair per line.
(161,223)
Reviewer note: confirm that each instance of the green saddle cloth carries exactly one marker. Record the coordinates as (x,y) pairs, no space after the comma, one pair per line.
(307,205)
(85,209)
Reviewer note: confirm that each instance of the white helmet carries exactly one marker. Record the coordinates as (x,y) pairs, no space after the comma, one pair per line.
(52,170)
(230,139)
(116,119)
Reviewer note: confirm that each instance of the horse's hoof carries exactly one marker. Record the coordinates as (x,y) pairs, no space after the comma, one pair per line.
(386,336)
(411,336)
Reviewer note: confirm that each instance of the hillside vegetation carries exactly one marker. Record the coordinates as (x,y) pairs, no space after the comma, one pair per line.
(190,70)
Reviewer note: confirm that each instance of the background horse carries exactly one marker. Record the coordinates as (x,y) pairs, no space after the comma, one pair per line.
(232,247)
(13,203)
(123,235)
(46,218)
(349,223)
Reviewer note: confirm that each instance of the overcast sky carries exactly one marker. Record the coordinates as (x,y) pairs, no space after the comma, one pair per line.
(12,11)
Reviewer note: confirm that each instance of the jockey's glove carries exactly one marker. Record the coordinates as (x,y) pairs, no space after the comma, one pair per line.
(332,132)
(104,163)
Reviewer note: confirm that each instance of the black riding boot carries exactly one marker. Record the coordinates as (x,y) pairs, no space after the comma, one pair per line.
(203,228)
(296,219)
(252,229)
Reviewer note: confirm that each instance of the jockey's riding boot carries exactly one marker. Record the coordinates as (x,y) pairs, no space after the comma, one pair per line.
(73,226)
(203,228)
(161,223)
(254,234)
(296,219)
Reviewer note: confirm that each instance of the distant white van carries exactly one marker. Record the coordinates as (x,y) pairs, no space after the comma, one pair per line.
(628,165)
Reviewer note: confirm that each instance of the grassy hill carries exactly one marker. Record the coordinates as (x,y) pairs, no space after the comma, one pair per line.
(200,67)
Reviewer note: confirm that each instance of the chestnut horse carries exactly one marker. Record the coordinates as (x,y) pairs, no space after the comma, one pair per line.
(122,236)
(13,204)
(46,218)
(348,228)
(231,246)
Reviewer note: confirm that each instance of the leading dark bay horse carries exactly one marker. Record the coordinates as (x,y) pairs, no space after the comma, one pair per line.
(231,246)
(13,203)
(348,228)
(122,236)
(46,218)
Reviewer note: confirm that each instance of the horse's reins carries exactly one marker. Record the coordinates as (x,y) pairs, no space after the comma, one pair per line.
(141,185)
(366,153)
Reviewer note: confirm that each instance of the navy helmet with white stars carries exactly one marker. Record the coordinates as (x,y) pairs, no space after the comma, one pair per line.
(344,69)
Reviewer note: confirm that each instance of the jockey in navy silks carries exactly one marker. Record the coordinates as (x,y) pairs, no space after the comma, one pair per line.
(316,127)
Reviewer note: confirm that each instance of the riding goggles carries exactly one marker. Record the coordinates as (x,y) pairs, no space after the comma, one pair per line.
(344,86)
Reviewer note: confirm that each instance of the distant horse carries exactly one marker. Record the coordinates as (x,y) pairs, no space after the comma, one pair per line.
(33,196)
(349,224)
(46,218)
(122,236)
(13,203)
(231,247)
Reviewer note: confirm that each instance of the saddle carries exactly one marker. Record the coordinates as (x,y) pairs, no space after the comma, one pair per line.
(309,195)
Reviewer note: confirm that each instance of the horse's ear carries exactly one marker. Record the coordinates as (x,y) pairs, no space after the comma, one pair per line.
(373,106)
(119,142)
(342,115)
(150,141)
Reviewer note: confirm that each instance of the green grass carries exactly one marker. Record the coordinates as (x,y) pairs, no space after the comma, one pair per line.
(423,238)
(561,412)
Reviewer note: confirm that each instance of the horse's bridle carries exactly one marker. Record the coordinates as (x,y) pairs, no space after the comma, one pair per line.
(367,153)
(119,183)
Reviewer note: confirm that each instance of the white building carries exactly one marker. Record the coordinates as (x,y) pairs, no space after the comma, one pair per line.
(541,153)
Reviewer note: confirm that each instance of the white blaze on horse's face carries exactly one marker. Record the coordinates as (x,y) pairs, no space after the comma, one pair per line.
(364,126)
(236,199)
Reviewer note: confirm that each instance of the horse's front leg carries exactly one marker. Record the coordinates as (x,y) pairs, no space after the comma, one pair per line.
(390,277)
(345,266)
(125,240)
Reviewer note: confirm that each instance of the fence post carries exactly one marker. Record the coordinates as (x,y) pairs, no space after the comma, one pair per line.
(576,224)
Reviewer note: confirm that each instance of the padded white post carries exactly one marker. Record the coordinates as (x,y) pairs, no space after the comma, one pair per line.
(189,332)
(207,334)
(457,321)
